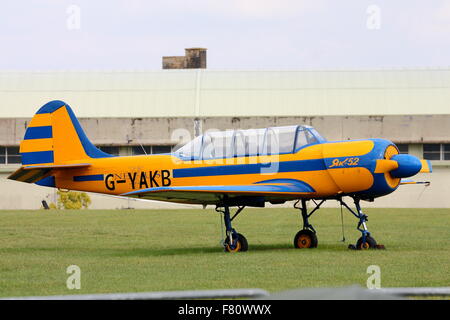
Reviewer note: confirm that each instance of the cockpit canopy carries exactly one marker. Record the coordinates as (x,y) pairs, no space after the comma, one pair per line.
(251,142)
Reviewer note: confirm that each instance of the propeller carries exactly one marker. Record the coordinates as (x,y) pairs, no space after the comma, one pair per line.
(402,166)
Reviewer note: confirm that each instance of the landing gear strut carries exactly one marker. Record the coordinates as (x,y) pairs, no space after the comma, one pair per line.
(233,242)
(306,238)
(366,241)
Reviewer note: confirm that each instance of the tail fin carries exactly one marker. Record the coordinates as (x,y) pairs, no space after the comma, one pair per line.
(55,137)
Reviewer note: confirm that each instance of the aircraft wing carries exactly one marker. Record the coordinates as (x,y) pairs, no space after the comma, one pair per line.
(276,189)
(426,166)
(409,181)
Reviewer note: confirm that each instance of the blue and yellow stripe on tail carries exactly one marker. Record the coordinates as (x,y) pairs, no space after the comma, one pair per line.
(37,144)
(54,139)
(54,136)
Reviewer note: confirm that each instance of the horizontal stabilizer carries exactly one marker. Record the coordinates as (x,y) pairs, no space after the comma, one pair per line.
(33,174)
(58,166)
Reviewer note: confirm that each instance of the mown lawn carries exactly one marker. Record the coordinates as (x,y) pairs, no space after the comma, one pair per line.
(160,250)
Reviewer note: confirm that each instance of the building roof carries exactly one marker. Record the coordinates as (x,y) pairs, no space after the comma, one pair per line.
(209,93)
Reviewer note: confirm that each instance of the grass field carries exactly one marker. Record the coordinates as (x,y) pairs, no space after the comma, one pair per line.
(159,250)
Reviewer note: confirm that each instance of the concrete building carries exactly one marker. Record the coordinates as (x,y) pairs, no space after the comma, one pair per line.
(127,112)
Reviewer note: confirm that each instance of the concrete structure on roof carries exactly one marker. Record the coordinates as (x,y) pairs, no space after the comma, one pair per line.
(194,58)
(127,110)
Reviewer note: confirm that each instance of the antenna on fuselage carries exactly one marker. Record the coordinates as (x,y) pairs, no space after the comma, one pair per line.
(142,147)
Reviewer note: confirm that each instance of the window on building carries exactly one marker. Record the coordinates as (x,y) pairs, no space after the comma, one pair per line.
(446,151)
(403,148)
(9,155)
(13,155)
(2,155)
(161,149)
(436,151)
(110,149)
(140,150)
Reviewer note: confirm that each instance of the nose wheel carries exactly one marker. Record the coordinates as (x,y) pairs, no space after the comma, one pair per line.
(365,241)
(368,243)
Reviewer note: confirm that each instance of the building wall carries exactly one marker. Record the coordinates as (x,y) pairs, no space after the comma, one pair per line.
(163,131)
(215,93)
(174,62)
(135,108)
(125,133)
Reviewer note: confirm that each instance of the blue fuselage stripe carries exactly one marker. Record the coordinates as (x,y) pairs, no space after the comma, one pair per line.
(39,133)
(91,177)
(256,168)
(37,157)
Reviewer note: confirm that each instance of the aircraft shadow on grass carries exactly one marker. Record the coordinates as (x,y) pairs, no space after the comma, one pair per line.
(144,252)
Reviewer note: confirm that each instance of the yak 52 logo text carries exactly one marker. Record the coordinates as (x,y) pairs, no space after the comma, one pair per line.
(347,162)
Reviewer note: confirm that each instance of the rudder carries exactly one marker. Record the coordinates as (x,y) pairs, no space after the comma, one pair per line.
(54,136)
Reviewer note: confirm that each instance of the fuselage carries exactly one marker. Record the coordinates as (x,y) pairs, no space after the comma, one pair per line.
(331,169)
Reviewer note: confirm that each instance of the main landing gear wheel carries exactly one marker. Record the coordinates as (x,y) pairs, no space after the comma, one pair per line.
(369,244)
(233,242)
(305,239)
(239,243)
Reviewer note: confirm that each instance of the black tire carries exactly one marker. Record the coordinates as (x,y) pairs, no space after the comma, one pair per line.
(305,239)
(241,246)
(370,243)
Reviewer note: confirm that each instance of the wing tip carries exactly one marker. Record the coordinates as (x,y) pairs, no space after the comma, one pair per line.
(426,166)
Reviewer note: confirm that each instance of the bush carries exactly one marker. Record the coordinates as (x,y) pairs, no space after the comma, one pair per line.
(71,200)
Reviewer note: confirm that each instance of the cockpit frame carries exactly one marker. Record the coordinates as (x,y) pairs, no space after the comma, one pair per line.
(204,148)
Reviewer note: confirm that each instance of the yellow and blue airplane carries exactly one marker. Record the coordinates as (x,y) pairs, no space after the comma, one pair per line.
(236,168)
